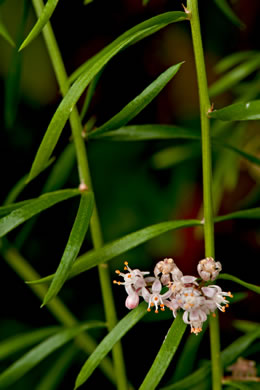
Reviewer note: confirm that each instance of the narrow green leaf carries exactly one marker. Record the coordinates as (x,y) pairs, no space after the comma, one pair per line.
(230,14)
(5,34)
(234,76)
(152,132)
(139,103)
(117,247)
(4,210)
(234,350)
(43,19)
(238,112)
(87,72)
(149,132)
(165,354)
(57,177)
(16,190)
(239,385)
(61,170)
(109,341)
(250,286)
(173,155)
(228,355)
(56,372)
(35,206)
(234,59)
(73,246)
(12,81)
(246,326)
(89,94)
(241,214)
(21,341)
(134,35)
(41,351)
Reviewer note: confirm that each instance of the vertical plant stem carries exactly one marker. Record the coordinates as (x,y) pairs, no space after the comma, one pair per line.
(55,306)
(85,178)
(192,9)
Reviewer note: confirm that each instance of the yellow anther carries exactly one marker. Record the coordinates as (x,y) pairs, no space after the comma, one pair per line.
(162,309)
(125,262)
(129,276)
(162,305)
(156,299)
(214,315)
(152,304)
(223,309)
(148,309)
(230,295)
(114,281)
(117,272)
(227,305)
(186,294)
(192,295)
(118,283)
(156,311)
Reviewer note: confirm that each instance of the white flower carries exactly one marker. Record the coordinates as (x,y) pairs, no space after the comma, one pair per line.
(133,278)
(155,298)
(184,281)
(209,269)
(215,297)
(195,319)
(190,298)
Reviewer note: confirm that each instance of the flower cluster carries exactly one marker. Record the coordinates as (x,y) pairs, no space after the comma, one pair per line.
(170,288)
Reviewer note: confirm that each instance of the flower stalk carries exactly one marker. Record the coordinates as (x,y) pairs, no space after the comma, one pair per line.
(205,106)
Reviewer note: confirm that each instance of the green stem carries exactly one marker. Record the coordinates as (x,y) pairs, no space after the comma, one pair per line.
(55,306)
(85,178)
(192,9)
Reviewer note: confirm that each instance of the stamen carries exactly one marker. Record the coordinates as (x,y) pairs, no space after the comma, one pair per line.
(156,311)
(115,281)
(152,304)
(214,315)
(148,309)
(155,298)
(227,305)
(162,309)
(129,276)
(125,262)
(230,295)
(117,272)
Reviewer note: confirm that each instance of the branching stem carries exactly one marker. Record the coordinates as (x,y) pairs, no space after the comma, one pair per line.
(192,9)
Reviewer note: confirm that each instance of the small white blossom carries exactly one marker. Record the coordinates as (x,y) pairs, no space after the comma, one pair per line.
(195,319)
(133,277)
(209,269)
(216,298)
(184,281)
(154,298)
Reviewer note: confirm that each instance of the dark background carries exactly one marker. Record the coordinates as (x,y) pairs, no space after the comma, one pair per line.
(130,192)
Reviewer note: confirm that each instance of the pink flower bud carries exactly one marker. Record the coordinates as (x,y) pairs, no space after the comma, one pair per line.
(132,300)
